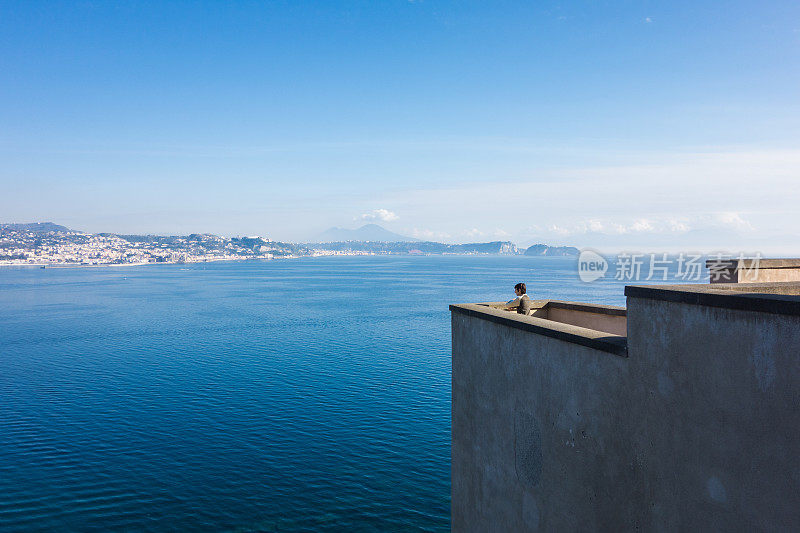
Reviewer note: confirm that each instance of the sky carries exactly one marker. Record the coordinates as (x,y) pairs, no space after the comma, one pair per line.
(617,125)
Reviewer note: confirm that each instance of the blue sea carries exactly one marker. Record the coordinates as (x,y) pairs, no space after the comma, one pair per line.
(287,395)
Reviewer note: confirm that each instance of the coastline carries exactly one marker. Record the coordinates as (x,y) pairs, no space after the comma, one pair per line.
(232,260)
(141,263)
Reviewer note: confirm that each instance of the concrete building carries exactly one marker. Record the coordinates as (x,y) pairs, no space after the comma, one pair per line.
(680,412)
(753,270)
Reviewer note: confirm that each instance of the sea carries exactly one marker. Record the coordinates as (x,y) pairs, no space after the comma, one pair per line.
(308,394)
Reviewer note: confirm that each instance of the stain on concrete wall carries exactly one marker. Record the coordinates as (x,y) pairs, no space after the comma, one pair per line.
(527,448)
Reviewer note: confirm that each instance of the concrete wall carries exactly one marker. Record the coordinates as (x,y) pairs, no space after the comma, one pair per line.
(532,446)
(720,420)
(616,324)
(770,275)
(753,271)
(696,430)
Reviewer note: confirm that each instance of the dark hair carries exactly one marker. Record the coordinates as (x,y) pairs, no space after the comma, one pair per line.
(521,287)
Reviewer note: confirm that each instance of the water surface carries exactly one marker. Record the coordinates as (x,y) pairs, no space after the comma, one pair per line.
(243,396)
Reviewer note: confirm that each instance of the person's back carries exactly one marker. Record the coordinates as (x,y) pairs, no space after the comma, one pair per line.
(524,306)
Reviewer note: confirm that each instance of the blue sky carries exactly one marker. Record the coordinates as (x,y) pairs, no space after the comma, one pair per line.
(619,125)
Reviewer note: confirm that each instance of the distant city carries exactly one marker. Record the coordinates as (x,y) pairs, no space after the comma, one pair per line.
(46,243)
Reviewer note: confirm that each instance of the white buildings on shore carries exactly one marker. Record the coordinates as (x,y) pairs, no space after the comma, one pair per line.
(75,248)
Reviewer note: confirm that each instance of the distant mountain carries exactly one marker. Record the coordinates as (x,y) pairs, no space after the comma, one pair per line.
(36,227)
(418,247)
(543,249)
(368,233)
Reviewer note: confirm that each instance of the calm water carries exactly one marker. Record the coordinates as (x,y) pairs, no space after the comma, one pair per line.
(248,396)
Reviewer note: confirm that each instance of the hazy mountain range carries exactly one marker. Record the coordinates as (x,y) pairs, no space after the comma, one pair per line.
(368,238)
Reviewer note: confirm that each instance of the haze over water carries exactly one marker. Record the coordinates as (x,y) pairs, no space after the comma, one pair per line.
(243,396)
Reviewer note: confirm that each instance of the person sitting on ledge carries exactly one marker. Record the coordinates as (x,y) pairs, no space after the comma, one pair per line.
(522,304)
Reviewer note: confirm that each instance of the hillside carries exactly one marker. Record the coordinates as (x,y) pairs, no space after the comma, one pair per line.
(36,227)
(543,249)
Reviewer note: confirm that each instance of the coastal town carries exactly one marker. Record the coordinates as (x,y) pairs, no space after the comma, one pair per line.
(45,244)
(50,244)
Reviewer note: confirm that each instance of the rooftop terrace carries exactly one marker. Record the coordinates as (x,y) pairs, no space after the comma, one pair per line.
(678,412)
(604,327)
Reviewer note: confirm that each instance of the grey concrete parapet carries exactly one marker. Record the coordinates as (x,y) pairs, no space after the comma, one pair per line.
(775,298)
(599,340)
(753,270)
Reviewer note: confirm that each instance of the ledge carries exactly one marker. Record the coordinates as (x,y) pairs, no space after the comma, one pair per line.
(613,310)
(598,340)
(780,298)
(752,263)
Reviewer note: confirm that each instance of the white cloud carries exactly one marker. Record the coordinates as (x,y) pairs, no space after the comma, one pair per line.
(733,220)
(621,228)
(383,215)
(595,226)
(678,226)
(646,225)
(558,230)
(429,235)
(642,226)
